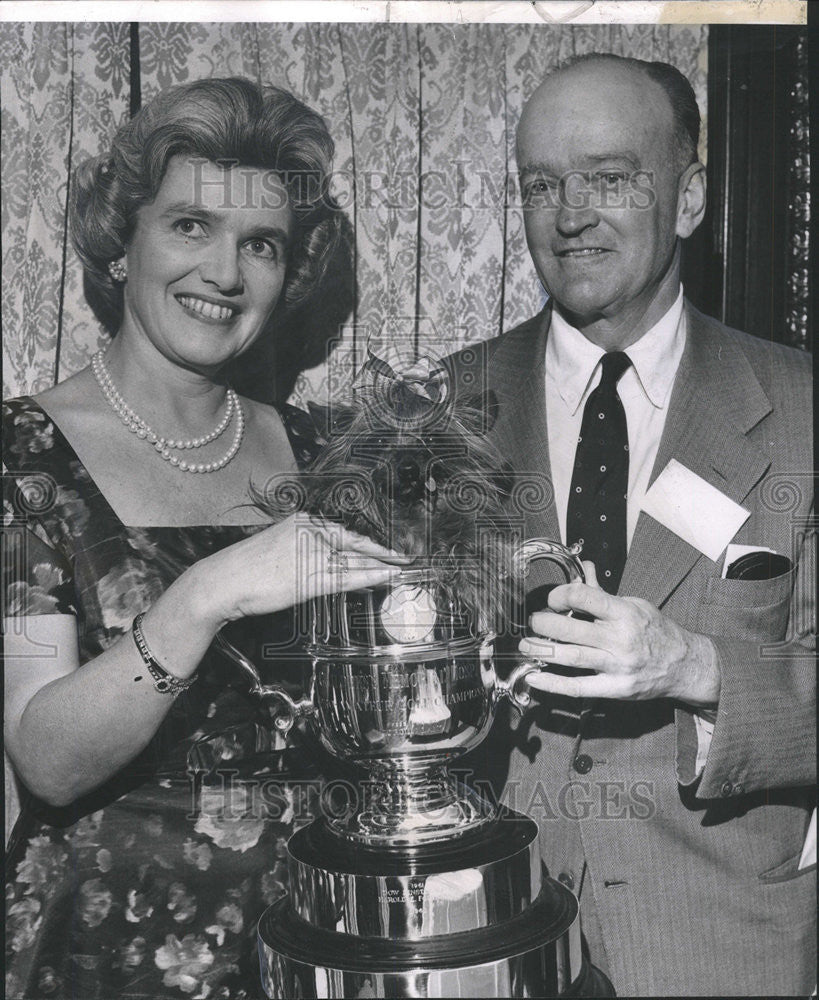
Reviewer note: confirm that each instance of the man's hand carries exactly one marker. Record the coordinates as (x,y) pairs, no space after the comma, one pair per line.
(636,652)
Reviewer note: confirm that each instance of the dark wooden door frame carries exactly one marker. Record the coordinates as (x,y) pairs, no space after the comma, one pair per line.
(748,263)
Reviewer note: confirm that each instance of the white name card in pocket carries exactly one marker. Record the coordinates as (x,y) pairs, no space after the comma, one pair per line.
(693,509)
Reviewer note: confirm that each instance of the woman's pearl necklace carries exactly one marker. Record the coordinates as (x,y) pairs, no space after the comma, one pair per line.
(165,446)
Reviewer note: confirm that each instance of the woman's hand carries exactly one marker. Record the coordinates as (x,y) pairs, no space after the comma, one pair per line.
(68,730)
(288,563)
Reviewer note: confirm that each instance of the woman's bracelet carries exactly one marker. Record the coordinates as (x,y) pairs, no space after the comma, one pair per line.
(164,681)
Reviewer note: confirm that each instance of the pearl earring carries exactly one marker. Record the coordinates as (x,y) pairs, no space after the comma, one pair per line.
(118,270)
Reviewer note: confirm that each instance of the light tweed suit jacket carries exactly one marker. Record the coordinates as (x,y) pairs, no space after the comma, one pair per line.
(688,885)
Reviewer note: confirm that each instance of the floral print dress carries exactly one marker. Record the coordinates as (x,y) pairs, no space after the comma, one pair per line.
(152,885)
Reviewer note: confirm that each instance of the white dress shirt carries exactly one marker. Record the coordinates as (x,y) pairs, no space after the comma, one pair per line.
(573,372)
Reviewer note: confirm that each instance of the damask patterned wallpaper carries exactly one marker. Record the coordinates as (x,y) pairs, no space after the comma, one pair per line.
(423,117)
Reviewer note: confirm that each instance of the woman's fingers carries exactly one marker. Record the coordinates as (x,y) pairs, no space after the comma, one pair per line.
(323,568)
(342,539)
(369,575)
(301,558)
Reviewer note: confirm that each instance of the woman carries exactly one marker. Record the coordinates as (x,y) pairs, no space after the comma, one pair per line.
(196,233)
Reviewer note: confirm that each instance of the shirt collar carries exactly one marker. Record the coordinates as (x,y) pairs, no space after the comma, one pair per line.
(571,359)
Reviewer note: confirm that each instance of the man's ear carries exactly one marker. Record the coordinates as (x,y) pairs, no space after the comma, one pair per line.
(690,199)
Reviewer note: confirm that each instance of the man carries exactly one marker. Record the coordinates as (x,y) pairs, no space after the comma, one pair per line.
(671,772)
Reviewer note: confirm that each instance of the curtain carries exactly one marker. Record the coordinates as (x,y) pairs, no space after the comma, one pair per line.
(423,117)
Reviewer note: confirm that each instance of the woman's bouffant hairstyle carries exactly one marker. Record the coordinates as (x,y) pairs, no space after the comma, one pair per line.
(232,122)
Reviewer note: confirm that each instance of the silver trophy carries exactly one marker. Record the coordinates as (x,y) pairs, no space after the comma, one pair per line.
(419,887)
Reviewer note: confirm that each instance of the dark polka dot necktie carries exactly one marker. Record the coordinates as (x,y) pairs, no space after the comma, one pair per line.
(596,514)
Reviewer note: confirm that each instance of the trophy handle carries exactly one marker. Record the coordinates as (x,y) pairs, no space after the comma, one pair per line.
(515,687)
(293,709)
(567,558)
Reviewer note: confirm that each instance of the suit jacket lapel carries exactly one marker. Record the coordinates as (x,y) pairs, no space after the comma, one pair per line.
(517,375)
(716,400)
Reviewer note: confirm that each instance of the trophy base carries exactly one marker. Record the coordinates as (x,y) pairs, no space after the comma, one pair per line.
(537,966)
(378,968)
(475,917)
(400,813)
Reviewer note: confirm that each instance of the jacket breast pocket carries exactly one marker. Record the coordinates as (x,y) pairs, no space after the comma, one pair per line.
(787,871)
(755,610)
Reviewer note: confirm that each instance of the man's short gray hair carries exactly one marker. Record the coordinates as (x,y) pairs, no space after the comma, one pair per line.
(678,89)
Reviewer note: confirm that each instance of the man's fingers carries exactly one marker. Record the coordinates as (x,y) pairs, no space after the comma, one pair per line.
(567,654)
(582,597)
(551,625)
(592,686)
(591,572)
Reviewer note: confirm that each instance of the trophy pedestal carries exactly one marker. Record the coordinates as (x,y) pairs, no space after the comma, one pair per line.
(424,890)
(468,916)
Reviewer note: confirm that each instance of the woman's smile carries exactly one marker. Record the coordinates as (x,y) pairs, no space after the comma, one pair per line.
(207,309)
